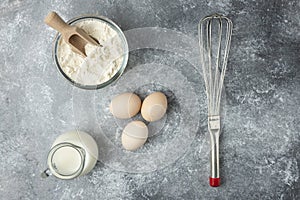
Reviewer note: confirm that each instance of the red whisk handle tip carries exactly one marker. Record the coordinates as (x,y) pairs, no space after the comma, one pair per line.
(214,182)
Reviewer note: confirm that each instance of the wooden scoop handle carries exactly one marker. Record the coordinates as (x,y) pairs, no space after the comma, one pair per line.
(55,21)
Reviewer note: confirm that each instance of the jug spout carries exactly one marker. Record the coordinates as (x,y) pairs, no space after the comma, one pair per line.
(46,173)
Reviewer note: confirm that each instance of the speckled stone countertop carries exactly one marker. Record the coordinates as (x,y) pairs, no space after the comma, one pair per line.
(260,141)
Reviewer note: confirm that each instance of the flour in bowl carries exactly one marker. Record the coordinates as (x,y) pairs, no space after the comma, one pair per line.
(102,62)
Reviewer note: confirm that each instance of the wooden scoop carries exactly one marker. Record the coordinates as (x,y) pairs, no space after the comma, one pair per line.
(74,36)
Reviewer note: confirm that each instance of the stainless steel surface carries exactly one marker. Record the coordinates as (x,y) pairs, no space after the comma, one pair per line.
(214,130)
(214,42)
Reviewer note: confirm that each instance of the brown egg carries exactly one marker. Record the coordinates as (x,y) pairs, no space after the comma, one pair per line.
(154,106)
(125,105)
(134,135)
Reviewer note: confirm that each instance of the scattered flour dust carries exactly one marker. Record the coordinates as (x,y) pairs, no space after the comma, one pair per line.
(102,62)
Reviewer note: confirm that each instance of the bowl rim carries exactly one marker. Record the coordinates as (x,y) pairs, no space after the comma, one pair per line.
(125,54)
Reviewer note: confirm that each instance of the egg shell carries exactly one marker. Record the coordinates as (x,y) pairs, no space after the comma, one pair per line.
(125,105)
(134,135)
(154,106)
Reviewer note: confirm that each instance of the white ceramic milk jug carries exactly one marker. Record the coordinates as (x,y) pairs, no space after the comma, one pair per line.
(72,154)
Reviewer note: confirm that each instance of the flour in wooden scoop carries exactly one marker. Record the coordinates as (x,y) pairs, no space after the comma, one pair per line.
(102,62)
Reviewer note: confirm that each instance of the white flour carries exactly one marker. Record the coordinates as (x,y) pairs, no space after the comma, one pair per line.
(101,63)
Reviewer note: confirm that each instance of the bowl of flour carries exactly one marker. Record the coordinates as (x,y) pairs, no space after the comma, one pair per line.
(103,64)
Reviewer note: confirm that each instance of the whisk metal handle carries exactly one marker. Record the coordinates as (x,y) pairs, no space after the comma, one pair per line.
(214,130)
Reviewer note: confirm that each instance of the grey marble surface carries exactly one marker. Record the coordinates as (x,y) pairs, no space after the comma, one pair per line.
(260,142)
